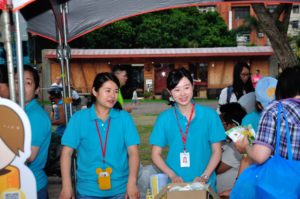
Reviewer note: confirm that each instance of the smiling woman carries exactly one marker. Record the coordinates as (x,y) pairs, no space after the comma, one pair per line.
(106,140)
(192,156)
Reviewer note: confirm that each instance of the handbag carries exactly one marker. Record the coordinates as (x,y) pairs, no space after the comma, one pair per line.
(276,178)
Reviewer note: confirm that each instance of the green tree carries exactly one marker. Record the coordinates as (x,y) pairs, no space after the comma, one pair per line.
(176,28)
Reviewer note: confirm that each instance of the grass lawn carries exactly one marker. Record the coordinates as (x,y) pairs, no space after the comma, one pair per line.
(145,147)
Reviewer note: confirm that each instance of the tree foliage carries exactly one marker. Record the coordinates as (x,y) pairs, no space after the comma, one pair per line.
(176,28)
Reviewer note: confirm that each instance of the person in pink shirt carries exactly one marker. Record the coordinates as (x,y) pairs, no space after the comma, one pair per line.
(256,77)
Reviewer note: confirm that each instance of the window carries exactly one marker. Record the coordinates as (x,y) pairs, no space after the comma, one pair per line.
(260,35)
(241,12)
(295,24)
(296,9)
(271,8)
(205,9)
(199,71)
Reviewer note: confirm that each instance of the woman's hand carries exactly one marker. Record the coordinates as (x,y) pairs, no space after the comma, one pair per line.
(202,179)
(225,193)
(67,193)
(132,191)
(176,179)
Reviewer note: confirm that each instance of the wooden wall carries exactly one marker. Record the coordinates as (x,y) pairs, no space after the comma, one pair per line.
(220,73)
(82,74)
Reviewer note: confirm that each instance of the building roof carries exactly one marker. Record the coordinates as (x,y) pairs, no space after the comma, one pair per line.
(165,52)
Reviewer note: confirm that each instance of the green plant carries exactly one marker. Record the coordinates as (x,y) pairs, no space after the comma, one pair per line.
(147,94)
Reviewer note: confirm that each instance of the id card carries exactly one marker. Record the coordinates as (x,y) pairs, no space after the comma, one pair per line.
(185,159)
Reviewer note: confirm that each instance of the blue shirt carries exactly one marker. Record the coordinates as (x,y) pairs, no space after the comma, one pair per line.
(61,127)
(205,129)
(253,119)
(81,134)
(41,133)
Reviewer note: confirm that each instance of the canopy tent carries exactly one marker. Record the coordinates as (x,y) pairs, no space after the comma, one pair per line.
(65,20)
(88,15)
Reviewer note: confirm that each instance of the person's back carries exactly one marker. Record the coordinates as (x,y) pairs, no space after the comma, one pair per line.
(288,93)
(266,125)
(57,114)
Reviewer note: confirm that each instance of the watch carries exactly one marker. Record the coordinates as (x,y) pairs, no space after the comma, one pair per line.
(205,177)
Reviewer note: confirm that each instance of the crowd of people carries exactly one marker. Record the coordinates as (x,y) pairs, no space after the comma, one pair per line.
(106,140)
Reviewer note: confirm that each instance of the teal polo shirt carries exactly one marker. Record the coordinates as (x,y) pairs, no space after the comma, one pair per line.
(81,134)
(205,129)
(253,119)
(40,137)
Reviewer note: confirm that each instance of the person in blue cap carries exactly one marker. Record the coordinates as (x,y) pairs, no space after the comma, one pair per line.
(191,132)
(106,141)
(264,93)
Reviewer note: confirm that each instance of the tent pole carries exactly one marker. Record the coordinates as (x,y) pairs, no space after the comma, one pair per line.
(19,59)
(66,53)
(60,54)
(9,55)
(66,57)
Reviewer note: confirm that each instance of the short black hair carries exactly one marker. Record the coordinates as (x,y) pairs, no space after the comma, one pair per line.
(119,68)
(288,85)
(99,80)
(176,75)
(232,112)
(55,92)
(34,73)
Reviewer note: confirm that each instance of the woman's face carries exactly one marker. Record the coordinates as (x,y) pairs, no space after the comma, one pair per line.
(107,94)
(245,74)
(183,92)
(29,87)
(4,90)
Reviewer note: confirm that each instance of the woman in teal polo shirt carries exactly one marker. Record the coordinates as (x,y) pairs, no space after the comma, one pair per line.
(40,130)
(192,133)
(106,141)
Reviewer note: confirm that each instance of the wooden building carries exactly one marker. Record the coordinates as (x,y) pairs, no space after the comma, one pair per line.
(148,69)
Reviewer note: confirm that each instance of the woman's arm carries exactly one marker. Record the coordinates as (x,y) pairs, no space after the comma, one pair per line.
(213,162)
(160,163)
(65,166)
(257,152)
(132,189)
(34,152)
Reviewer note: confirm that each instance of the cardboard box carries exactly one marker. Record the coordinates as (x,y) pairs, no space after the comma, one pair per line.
(193,194)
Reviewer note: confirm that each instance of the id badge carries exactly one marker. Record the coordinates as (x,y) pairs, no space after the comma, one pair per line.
(104,181)
(185,159)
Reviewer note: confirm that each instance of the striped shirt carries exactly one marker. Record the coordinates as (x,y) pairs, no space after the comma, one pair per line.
(267,127)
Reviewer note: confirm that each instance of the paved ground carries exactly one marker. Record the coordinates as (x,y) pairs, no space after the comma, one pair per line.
(143,114)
